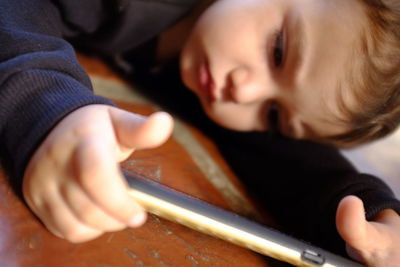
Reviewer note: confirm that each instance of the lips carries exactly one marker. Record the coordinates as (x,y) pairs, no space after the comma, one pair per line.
(206,82)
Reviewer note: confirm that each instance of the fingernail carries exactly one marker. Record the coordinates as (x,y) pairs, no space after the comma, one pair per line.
(138,219)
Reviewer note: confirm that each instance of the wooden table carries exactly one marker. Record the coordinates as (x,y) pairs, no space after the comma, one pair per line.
(188,162)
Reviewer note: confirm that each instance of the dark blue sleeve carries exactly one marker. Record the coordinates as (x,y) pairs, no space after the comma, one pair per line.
(40,79)
(301,183)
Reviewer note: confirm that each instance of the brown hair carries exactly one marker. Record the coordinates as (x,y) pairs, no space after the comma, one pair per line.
(378,99)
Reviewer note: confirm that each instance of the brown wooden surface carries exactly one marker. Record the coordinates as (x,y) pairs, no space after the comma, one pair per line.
(24,241)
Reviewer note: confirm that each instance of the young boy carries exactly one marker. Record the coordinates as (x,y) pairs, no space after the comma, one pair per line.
(255,65)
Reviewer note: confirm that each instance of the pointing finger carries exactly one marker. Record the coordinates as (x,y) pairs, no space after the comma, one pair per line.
(139,132)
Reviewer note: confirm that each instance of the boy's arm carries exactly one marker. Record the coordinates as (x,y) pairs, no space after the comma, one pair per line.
(53,135)
(40,79)
(302,183)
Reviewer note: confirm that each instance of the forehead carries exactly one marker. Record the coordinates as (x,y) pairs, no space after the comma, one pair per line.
(330,35)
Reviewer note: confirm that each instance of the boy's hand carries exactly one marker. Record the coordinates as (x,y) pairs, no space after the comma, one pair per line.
(375,243)
(73,181)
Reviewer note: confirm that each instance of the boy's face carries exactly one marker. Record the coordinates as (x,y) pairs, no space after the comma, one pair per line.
(244,56)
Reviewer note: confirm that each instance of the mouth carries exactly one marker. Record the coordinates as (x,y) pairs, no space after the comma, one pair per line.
(206,82)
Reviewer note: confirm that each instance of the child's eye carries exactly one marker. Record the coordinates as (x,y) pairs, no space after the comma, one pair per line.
(273,118)
(277,52)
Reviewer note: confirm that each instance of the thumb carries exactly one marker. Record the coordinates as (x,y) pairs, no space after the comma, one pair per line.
(135,131)
(353,226)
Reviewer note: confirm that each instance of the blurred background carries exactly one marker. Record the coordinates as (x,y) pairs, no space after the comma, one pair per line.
(381,158)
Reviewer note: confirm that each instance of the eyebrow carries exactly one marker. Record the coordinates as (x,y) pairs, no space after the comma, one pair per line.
(299,130)
(306,129)
(296,130)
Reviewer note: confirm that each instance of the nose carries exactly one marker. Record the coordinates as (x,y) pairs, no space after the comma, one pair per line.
(247,87)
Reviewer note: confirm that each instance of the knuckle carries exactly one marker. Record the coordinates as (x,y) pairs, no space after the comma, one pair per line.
(86,213)
(87,172)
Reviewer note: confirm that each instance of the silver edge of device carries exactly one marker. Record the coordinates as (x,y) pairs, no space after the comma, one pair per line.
(210,226)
